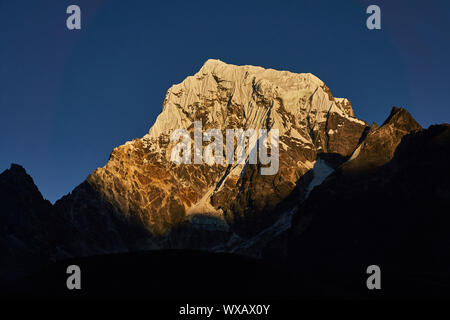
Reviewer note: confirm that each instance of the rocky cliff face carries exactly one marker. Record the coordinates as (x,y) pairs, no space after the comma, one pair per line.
(379,145)
(141,184)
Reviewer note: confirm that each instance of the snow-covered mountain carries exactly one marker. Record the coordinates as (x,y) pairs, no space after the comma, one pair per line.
(143,185)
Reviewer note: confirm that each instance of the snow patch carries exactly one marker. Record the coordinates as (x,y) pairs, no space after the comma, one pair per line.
(320,171)
(254,245)
(355,153)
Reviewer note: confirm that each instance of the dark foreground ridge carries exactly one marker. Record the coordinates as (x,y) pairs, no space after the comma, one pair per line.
(160,275)
(211,277)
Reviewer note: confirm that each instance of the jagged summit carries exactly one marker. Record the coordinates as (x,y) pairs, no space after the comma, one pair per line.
(213,64)
(17,168)
(381,142)
(402,119)
(17,178)
(219,88)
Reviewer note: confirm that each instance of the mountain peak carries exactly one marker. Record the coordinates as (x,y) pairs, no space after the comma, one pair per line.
(17,173)
(16,178)
(402,119)
(380,143)
(212,62)
(17,168)
(223,95)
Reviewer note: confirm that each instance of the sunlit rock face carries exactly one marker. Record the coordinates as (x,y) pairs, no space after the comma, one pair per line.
(202,205)
(380,143)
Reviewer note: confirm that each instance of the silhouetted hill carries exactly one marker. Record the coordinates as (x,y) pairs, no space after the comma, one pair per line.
(24,230)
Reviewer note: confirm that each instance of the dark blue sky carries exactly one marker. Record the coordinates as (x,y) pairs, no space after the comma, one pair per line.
(67,98)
